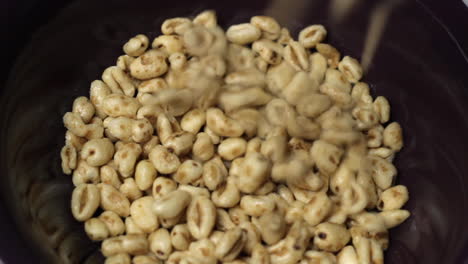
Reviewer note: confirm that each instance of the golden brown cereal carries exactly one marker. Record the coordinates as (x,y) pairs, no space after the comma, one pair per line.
(313,256)
(330,53)
(119,128)
(176,25)
(300,86)
(394,218)
(130,244)
(97,92)
(146,259)
(85,201)
(393,198)
(162,186)
(180,143)
(238,215)
(118,81)
(296,55)
(180,237)
(136,45)
(278,112)
(109,175)
(249,97)
(223,220)
(131,228)
(166,126)
(152,86)
(142,130)
(163,160)
(193,121)
(168,43)
(239,58)
(149,145)
(97,152)
(222,125)
(206,18)
(194,191)
(227,195)
(203,148)
(243,34)
(303,127)
(171,204)
(126,158)
(317,209)
(351,69)
(113,222)
(337,80)
(312,35)
(239,147)
(268,50)
(284,252)
(75,125)
(160,243)
(96,229)
(272,226)
(203,251)
(84,108)
(170,222)
(248,117)
(145,173)
(118,105)
(142,214)
(231,244)
(347,255)
(113,200)
(189,171)
(268,25)
(392,136)
(232,148)
(279,76)
(246,78)
(201,217)
(254,172)
(326,156)
(74,141)
(120,258)
(69,159)
(124,61)
(198,40)
(130,189)
(331,237)
(149,65)
(214,173)
(383,172)
(285,37)
(295,212)
(257,205)
(382,108)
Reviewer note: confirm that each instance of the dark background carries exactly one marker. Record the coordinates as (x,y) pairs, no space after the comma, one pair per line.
(20,18)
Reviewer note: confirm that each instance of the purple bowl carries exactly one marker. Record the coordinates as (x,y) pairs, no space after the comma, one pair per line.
(414,53)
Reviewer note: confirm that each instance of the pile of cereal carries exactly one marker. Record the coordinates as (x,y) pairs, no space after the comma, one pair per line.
(243,146)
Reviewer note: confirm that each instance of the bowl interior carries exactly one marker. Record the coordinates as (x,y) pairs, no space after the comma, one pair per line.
(408,55)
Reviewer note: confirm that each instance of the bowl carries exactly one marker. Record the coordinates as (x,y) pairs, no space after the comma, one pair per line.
(56,48)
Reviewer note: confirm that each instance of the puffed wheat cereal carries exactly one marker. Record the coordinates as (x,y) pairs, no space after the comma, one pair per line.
(244,146)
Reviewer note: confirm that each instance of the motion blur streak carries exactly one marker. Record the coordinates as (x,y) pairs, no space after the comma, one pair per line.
(378,20)
(339,9)
(295,9)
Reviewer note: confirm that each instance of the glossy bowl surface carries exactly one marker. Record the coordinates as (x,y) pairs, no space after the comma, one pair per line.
(410,54)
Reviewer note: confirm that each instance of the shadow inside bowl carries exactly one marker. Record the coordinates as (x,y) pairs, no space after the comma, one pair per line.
(414,64)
